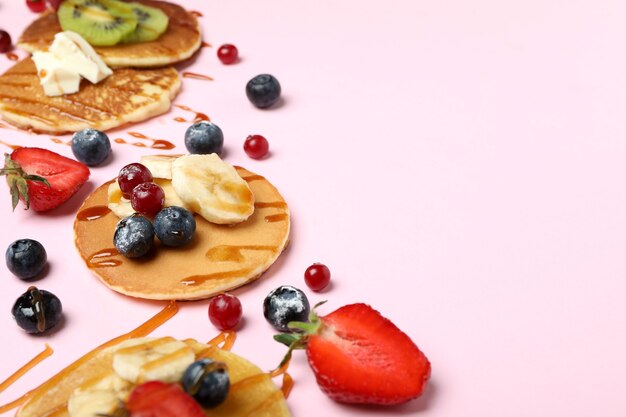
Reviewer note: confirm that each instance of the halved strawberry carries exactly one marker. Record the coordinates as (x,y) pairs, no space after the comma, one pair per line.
(158,399)
(41,178)
(359,356)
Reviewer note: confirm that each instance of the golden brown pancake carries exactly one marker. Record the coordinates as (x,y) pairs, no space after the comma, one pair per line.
(219,258)
(129,95)
(252,392)
(179,42)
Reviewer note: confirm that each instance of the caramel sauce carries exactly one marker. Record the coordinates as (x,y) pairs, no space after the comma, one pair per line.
(60,142)
(143,346)
(287,379)
(196,13)
(180,120)
(163,360)
(228,253)
(93,213)
(143,330)
(276,217)
(95,261)
(201,279)
(254,177)
(12,56)
(196,76)
(274,204)
(248,381)
(199,116)
(47,352)
(227,338)
(9,145)
(123,142)
(156,143)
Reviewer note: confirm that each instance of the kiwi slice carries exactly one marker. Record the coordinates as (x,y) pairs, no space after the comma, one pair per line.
(151,23)
(100,22)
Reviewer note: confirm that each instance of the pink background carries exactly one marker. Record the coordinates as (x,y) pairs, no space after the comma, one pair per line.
(458,165)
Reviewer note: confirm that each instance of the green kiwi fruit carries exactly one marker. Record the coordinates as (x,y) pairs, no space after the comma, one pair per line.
(100,22)
(151,23)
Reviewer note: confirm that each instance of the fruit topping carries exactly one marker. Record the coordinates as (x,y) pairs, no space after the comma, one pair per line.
(158,399)
(104,397)
(36,6)
(147,198)
(42,179)
(256,146)
(225,311)
(151,23)
(204,138)
(317,276)
(134,236)
(228,54)
(91,146)
(5,42)
(131,176)
(174,226)
(284,305)
(26,258)
(37,310)
(207,382)
(263,90)
(359,356)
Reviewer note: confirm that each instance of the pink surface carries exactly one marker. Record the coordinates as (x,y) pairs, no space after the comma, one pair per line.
(457,165)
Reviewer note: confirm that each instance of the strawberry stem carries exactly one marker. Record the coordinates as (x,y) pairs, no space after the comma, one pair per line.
(17,180)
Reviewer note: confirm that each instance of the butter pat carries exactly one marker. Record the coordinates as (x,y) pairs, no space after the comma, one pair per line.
(69,57)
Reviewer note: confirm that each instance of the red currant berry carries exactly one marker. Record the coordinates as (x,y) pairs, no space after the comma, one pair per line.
(225,311)
(36,6)
(228,54)
(131,176)
(5,41)
(317,276)
(147,199)
(256,146)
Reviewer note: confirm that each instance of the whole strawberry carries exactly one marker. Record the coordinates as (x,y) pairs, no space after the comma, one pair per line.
(41,178)
(359,356)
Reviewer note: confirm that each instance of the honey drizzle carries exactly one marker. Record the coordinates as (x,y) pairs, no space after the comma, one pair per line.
(287,379)
(47,352)
(201,279)
(196,76)
(227,337)
(12,56)
(276,217)
(92,213)
(156,143)
(228,253)
(9,145)
(163,360)
(254,177)
(104,253)
(199,116)
(266,404)
(60,142)
(274,204)
(143,330)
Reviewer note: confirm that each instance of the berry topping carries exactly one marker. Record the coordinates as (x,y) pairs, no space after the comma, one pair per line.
(26,258)
(283,305)
(5,42)
(263,90)
(204,138)
(225,311)
(317,276)
(91,146)
(158,399)
(134,236)
(256,146)
(174,226)
(147,199)
(37,310)
(131,176)
(36,6)
(42,179)
(207,381)
(228,54)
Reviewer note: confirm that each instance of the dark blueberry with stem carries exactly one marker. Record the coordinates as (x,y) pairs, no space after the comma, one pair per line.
(91,146)
(285,304)
(134,236)
(174,226)
(204,138)
(207,381)
(263,90)
(26,258)
(37,310)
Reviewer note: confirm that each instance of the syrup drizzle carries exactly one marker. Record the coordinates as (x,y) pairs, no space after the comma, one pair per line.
(199,116)
(196,13)
(228,253)
(274,204)
(272,218)
(95,261)
(92,213)
(226,338)
(60,142)
(47,352)
(9,145)
(143,330)
(156,143)
(254,177)
(205,45)
(196,76)
(12,56)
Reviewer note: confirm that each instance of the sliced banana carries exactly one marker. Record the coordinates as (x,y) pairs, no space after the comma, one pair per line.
(212,188)
(159,165)
(163,359)
(121,206)
(99,397)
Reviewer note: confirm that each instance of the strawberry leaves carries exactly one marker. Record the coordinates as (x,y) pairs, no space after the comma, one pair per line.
(17,180)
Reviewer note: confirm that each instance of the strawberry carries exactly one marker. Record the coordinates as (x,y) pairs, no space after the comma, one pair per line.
(42,179)
(359,356)
(158,399)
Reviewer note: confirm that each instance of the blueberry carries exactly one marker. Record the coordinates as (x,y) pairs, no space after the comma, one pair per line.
(285,304)
(134,236)
(263,90)
(174,226)
(37,310)
(91,146)
(204,138)
(26,258)
(207,381)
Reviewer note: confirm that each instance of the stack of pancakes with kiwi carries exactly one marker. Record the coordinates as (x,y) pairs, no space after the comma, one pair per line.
(139,39)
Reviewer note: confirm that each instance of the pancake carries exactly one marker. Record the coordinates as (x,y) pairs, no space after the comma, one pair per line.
(219,258)
(252,391)
(129,95)
(179,42)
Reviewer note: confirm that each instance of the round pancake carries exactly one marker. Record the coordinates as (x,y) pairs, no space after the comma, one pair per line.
(127,96)
(252,391)
(219,258)
(179,42)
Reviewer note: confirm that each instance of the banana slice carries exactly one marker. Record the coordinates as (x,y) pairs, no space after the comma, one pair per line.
(212,188)
(163,359)
(99,397)
(159,165)
(121,206)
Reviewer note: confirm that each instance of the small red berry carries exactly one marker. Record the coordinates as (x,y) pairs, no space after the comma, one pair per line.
(228,54)
(5,41)
(256,146)
(225,311)
(147,199)
(317,276)
(131,176)
(36,6)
